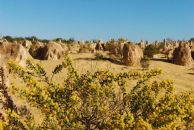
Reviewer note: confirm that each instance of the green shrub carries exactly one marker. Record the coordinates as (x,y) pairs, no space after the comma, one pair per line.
(151,50)
(9,38)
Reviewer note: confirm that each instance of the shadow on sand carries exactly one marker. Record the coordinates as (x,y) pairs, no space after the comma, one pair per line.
(161,59)
(191,73)
(102,59)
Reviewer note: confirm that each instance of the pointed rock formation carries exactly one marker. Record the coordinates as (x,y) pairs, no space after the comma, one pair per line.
(132,55)
(182,55)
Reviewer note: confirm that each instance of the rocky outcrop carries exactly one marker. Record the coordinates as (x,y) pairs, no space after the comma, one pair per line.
(36,50)
(182,55)
(73,48)
(132,55)
(49,51)
(27,44)
(99,47)
(142,44)
(13,51)
(86,48)
(52,51)
(64,46)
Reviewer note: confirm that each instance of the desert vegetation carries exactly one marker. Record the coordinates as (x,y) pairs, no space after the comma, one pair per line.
(98,100)
(138,97)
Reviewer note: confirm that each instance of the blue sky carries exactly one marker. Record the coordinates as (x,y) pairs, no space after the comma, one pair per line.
(98,19)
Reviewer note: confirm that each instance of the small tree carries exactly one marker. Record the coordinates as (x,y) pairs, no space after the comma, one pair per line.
(8,38)
(150,51)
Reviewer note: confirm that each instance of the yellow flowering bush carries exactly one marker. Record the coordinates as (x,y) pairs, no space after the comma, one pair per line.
(100,100)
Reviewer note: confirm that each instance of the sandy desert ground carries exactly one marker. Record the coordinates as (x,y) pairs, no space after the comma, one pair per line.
(182,76)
